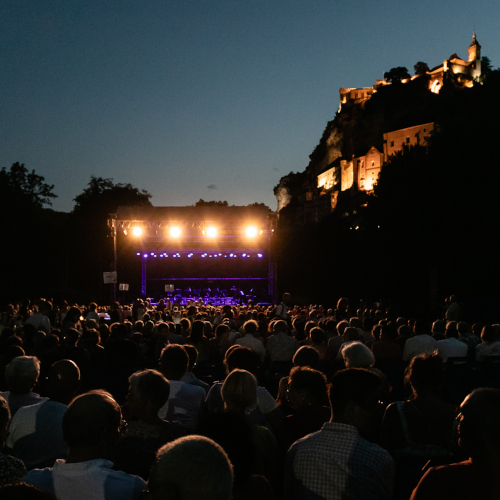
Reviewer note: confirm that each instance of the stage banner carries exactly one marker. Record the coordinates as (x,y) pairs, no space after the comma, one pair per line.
(109,277)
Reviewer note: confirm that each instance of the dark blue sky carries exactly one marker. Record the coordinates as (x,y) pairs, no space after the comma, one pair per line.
(202,99)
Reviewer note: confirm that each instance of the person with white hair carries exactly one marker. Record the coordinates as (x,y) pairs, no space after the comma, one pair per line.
(35,433)
(21,376)
(191,468)
(357,355)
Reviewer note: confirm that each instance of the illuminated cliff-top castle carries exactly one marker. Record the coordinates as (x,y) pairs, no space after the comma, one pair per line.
(463,72)
(330,173)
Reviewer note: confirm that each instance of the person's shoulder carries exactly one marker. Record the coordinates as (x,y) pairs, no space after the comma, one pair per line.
(439,480)
(310,441)
(195,390)
(41,478)
(121,483)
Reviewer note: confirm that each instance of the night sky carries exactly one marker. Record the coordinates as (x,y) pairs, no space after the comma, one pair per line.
(203,99)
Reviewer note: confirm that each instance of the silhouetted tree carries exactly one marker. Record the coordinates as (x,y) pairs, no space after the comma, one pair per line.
(92,252)
(28,245)
(21,187)
(421,68)
(213,203)
(395,75)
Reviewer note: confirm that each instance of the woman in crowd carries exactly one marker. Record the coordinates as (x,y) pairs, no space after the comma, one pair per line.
(239,393)
(145,432)
(265,410)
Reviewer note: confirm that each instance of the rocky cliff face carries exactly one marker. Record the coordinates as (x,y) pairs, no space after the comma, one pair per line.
(358,127)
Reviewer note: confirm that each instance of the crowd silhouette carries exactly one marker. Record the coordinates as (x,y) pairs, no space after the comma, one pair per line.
(165,401)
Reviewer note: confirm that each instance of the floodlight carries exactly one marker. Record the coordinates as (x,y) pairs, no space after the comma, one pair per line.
(251,231)
(211,232)
(175,232)
(137,231)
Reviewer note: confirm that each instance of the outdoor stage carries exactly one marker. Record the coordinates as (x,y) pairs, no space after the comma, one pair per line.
(221,254)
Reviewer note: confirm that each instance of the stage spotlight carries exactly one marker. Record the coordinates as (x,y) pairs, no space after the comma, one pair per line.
(175,232)
(244,255)
(259,255)
(137,231)
(251,231)
(211,232)
(138,253)
(145,255)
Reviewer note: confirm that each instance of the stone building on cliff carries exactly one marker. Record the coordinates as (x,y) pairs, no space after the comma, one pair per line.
(331,171)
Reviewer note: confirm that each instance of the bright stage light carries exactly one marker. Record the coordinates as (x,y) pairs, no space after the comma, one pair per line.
(137,231)
(211,232)
(251,231)
(175,232)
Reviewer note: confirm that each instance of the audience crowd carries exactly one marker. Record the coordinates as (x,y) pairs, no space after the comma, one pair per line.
(193,402)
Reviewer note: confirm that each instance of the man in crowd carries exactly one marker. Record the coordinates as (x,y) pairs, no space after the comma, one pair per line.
(451,347)
(191,468)
(21,376)
(251,328)
(186,402)
(479,436)
(421,343)
(35,433)
(280,346)
(282,309)
(91,428)
(40,319)
(337,462)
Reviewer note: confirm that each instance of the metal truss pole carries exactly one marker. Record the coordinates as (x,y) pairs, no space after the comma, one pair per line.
(143,276)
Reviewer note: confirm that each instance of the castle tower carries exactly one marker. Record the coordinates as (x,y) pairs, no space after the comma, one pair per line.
(474,49)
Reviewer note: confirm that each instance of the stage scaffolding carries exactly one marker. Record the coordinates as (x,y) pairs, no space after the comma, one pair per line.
(238,236)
